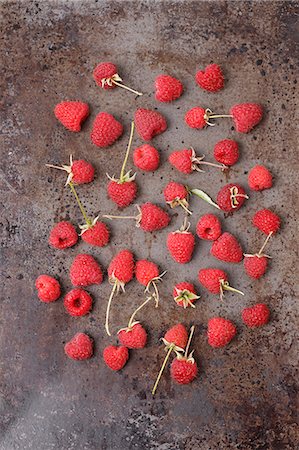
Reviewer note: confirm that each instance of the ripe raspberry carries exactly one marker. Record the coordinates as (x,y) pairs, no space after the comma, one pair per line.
(115,357)
(180,244)
(211,78)
(82,172)
(231,197)
(133,337)
(146,158)
(208,227)
(167,88)
(149,123)
(71,114)
(105,130)
(220,332)
(176,194)
(184,294)
(196,117)
(98,234)
(259,178)
(153,217)
(256,316)
(266,221)
(48,289)
(121,268)
(80,347)
(182,160)
(106,76)
(227,248)
(77,302)
(123,194)
(216,281)
(176,336)
(63,235)
(246,116)
(226,152)
(85,271)
(255,266)
(183,370)
(145,271)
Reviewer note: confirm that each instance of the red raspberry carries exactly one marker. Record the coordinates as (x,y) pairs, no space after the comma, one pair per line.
(71,114)
(211,78)
(216,281)
(115,357)
(256,316)
(183,370)
(82,172)
(220,332)
(153,217)
(167,88)
(77,302)
(105,130)
(85,271)
(146,158)
(246,116)
(63,235)
(255,266)
(133,337)
(208,227)
(226,152)
(181,245)
(184,294)
(227,248)
(176,194)
(182,160)
(259,178)
(176,336)
(80,347)
(121,268)
(231,197)
(266,221)
(98,234)
(123,194)
(149,123)
(196,117)
(48,289)
(146,271)
(105,71)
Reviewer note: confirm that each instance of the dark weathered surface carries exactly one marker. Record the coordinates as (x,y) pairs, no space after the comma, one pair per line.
(245,396)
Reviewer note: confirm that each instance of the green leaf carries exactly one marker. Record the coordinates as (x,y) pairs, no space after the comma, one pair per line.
(204,196)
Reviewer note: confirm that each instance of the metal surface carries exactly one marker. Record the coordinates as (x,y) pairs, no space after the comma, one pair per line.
(245,395)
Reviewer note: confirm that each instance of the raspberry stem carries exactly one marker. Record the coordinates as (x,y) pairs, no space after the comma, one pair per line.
(138,309)
(126,87)
(219,116)
(162,368)
(87,220)
(122,173)
(219,166)
(265,243)
(108,308)
(189,341)
(224,286)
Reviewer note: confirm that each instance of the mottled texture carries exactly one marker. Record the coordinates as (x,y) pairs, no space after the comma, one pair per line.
(245,395)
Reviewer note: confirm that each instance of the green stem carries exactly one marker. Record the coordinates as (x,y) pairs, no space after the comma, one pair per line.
(162,369)
(136,311)
(189,341)
(87,220)
(127,153)
(218,116)
(108,308)
(265,243)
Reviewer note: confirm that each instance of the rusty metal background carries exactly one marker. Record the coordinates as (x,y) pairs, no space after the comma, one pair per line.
(245,395)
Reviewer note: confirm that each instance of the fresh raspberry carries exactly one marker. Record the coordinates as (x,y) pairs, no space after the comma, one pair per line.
(208,227)
(226,152)
(176,335)
(183,370)
(181,245)
(227,248)
(77,302)
(85,271)
(105,71)
(220,332)
(98,234)
(80,347)
(259,178)
(211,279)
(255,266)
(211,78)
(184,294)
(231,197)
(121,267)
(256,316)
(82,172)
(105,130)
(153,217)
(246,116)
(167,88)
(48,289)
(115,357)
(133,337)
(182,160)
(146,158)
(123,194)
(176,194)
(266,221)
(195,117)
(149,123)
(145,271)
(63,235)
(71,114)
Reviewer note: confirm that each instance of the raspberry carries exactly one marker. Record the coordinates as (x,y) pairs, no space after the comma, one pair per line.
(145,271)
(227,248)
(176,336)
(98,234)
(246,116)
(208,227)
(121,268)
(80,347)
(184,294)
(266,221)
(220,332)
(211,78)
(123,194)
(71,114)
(231,197)
(182,160)
(146,158)
(183,370)
(195,117)
(216,281)
(180,244)
(115,357)
(153,217)
(176,194)
(82,172)
(149,123)
(85,271)
(167,88)
(105,130)
(106,76)
(259,178)
(255,266)
(48,289)
(226,152)
(63,235)
(133,337)
(77,302)
(256,316)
